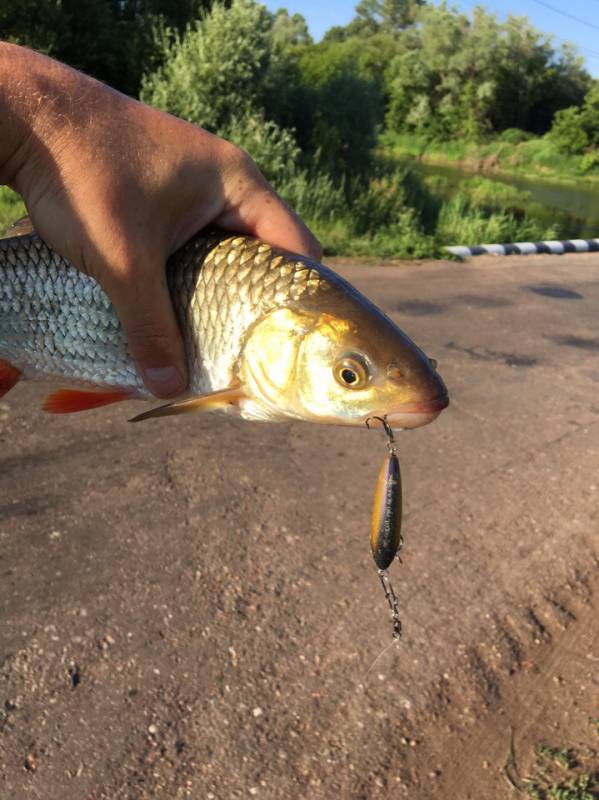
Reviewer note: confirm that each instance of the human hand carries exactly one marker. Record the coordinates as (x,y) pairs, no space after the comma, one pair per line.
(115,187)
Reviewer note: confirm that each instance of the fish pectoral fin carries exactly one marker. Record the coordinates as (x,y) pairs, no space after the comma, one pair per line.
(69,401)
(20,227)
(202,402)
(9,377)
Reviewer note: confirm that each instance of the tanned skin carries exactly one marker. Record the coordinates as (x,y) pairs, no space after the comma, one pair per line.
(115,187)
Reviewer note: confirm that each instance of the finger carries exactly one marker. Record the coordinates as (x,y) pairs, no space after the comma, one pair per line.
(144,307)
(253,207)
(271,219)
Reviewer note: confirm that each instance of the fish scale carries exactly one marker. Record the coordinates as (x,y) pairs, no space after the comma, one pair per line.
(219,295)
(57,323)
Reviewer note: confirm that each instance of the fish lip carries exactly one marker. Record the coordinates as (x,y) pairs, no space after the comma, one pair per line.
(417,414)
(433,406)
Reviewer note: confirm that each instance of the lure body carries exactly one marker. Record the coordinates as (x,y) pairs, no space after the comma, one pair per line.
(385,531)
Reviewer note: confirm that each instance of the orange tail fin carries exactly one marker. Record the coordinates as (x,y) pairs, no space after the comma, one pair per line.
(68,401)
(9,376)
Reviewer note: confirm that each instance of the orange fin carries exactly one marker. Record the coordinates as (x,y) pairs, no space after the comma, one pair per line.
(67,401)
(203,402)
(9,376)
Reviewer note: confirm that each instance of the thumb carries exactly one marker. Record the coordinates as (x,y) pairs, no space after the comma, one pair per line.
(143,305)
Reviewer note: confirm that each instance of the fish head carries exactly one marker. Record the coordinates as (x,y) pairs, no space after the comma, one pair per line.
(336,358)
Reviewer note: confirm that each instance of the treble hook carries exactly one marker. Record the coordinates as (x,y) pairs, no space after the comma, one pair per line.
(391,444)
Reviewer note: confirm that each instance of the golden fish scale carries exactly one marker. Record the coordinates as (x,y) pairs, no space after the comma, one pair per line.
(222,285)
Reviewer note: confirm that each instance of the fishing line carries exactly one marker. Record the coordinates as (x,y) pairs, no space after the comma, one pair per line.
(392,643)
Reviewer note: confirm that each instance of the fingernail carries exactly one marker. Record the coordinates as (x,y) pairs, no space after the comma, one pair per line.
(164,381)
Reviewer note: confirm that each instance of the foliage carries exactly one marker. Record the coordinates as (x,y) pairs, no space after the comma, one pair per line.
(537,157)
(395,214)
(215,70)
(289,30)
(574,129)
(314,196)
(590,114)
(461,221)
(112,41)
(341,107)
(568,132)
(483,192)
(11,208)
(514,136)
(562,774)
(241,61)
(273,148)
(375,16)
(447,86)
(458,77)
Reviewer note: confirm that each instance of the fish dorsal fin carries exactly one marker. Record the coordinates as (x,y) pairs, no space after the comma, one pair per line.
(21,227)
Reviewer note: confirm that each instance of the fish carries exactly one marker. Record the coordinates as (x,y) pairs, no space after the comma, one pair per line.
(269,335)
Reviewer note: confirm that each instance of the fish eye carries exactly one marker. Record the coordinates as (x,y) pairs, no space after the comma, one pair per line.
(351,372)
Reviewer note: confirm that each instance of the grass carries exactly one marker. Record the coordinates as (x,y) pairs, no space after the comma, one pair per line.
(563,774)
(532,157)
(399,214)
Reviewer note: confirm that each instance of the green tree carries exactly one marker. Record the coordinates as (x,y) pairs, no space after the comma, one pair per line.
(217,69)
(576,129)
(340,108)
(374,16)
(441,82)
(289,30)
(391,16)
(455,76)
(590,114)
(109,39)
(568,132)
(231,73)
(533,81)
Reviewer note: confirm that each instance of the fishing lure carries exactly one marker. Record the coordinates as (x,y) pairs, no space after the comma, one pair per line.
(385,530)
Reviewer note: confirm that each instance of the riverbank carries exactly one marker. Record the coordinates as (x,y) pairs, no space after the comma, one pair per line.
(514,153)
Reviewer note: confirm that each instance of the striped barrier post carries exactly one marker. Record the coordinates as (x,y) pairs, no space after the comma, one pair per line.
(527,248)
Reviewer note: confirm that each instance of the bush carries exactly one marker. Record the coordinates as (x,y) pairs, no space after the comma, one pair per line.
(274,149)
(460,223)
(486,193)
(567,131)
(590,161)
(314,196)
(514,136)
(217,69)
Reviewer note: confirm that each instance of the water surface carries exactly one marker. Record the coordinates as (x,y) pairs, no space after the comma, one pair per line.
(574,207)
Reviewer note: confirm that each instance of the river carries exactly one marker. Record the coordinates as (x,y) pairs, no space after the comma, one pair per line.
(575,208)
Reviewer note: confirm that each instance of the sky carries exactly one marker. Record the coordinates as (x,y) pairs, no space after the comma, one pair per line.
(323,14)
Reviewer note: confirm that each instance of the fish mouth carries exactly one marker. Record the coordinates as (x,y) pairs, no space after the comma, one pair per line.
(421,412)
